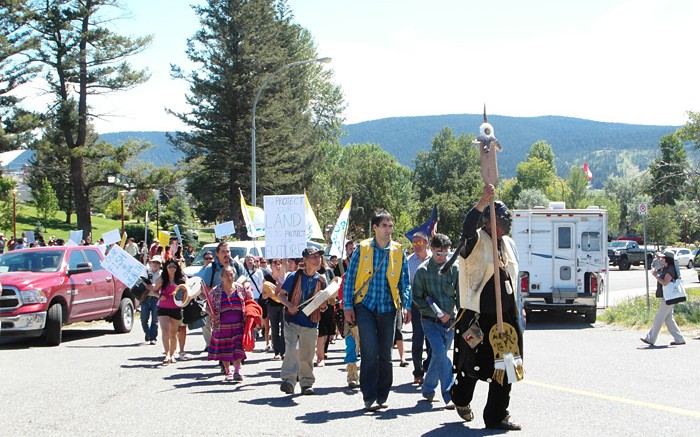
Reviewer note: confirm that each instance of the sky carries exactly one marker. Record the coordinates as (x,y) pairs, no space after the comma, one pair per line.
(627,61)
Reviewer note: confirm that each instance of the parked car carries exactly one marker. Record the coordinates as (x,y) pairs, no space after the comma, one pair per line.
(44,288)
(683,256)
(632,237)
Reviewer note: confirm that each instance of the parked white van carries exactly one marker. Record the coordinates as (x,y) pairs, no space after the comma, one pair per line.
(239,249)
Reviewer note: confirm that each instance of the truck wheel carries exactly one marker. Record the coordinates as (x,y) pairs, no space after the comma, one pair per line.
(124,317)
(591,316)
(623,264)
(650,259)
(54,323)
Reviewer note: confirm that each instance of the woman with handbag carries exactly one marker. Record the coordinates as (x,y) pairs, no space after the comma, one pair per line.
(664,314)
(169,314)
(226,306)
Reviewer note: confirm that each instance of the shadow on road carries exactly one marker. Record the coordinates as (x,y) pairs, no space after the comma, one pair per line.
(540,320)
(69,335)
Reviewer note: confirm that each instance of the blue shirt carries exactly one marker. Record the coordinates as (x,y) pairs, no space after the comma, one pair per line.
(308,285)
(207,271)
(378,298)
(413,263)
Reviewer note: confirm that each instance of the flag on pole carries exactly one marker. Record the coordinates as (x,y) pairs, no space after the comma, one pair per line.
(587,171)
(313,229)
(254,218)
(428,228)
(340,231)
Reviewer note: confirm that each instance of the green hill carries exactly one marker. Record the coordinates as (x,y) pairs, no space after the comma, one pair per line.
(608,148)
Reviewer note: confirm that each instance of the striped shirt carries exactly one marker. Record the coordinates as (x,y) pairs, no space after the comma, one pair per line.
(378,298)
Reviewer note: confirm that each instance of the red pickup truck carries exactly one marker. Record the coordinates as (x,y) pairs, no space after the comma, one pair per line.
(44,288)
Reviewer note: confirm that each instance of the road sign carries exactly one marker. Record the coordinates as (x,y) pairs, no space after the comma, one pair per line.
(643,209)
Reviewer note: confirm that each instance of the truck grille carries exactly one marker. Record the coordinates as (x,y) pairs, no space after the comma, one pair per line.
(9,299)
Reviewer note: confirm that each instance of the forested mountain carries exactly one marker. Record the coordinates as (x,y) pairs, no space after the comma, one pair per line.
(608,148)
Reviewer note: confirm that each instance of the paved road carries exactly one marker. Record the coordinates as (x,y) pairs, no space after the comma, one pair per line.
(581,380)
(624,284)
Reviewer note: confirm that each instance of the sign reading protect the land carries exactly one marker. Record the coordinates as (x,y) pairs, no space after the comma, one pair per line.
(285,226)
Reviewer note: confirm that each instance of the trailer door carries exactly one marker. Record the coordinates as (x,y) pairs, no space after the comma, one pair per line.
(564,274)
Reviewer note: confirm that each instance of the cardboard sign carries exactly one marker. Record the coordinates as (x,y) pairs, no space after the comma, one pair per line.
(123,266)
(76,236)
(223,229)
(285,226)
(112,237)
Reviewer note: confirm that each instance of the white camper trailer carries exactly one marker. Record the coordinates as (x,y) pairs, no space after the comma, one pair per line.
(563,258)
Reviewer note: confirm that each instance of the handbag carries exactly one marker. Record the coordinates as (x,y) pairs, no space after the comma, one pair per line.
(193,312)
(674,292)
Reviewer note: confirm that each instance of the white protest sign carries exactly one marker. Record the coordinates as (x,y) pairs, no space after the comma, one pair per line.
(176,229)
(124,266)
(112,237)
(76,236)
(30,237)
(224,229)
(285,226)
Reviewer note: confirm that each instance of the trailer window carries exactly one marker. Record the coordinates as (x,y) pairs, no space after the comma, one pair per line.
(564,237)
(590,241)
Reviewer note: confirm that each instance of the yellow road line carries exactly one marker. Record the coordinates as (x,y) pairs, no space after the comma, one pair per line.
(690,413)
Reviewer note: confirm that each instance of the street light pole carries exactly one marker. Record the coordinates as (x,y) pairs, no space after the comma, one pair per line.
(14,214)
(121,197)
(253,176)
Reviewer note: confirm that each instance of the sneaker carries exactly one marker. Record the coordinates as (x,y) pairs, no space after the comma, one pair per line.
(450,406)
(465,413)
(152,342)
(677,343)
(277,358)
(353,384)
(237,377)
(287,387)
(383,404)
(418,380)
(308,391)
(644,340)
(182,356)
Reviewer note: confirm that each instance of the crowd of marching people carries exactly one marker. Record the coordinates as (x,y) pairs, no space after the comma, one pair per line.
(376,290)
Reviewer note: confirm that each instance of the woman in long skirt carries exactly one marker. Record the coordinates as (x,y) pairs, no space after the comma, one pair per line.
(227,321)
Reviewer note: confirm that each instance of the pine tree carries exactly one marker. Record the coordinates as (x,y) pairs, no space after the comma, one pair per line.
(83,57)
(240,44)
(668,179)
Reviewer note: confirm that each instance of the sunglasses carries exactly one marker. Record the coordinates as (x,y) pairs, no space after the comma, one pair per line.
(172,266)
(419,243)
(441,253)
(208,258)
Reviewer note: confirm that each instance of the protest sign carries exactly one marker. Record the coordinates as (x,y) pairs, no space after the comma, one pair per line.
(285,225)
(124,266)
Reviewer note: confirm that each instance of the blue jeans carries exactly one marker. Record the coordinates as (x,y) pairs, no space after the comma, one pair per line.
(149,308)
(417,340)
(440,368)
(376,341)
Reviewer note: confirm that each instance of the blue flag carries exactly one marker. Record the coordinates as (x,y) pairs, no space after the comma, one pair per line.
(428,227)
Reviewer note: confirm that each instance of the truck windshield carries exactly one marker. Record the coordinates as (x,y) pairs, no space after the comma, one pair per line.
(31,261)
(617,244)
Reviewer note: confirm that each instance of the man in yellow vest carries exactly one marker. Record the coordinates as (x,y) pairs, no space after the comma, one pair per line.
(376,290)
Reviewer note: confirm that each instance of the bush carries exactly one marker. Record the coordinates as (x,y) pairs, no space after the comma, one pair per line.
(633,312)
(136,232)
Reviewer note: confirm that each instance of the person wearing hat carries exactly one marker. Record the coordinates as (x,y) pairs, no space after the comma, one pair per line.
(667,273)
(300,287)
(477,297)
(149,304)
(3,242)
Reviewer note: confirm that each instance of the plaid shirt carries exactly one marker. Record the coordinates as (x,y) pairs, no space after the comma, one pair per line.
(378,298)
(441,288)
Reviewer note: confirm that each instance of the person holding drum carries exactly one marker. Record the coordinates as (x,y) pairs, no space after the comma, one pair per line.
(169,314)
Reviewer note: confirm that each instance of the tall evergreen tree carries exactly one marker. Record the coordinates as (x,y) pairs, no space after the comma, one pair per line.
(240,44)
(83,58)
(16,44)
(668,178)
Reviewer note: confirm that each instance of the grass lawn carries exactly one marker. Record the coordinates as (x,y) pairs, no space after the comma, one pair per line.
(27,219)
(633,313)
